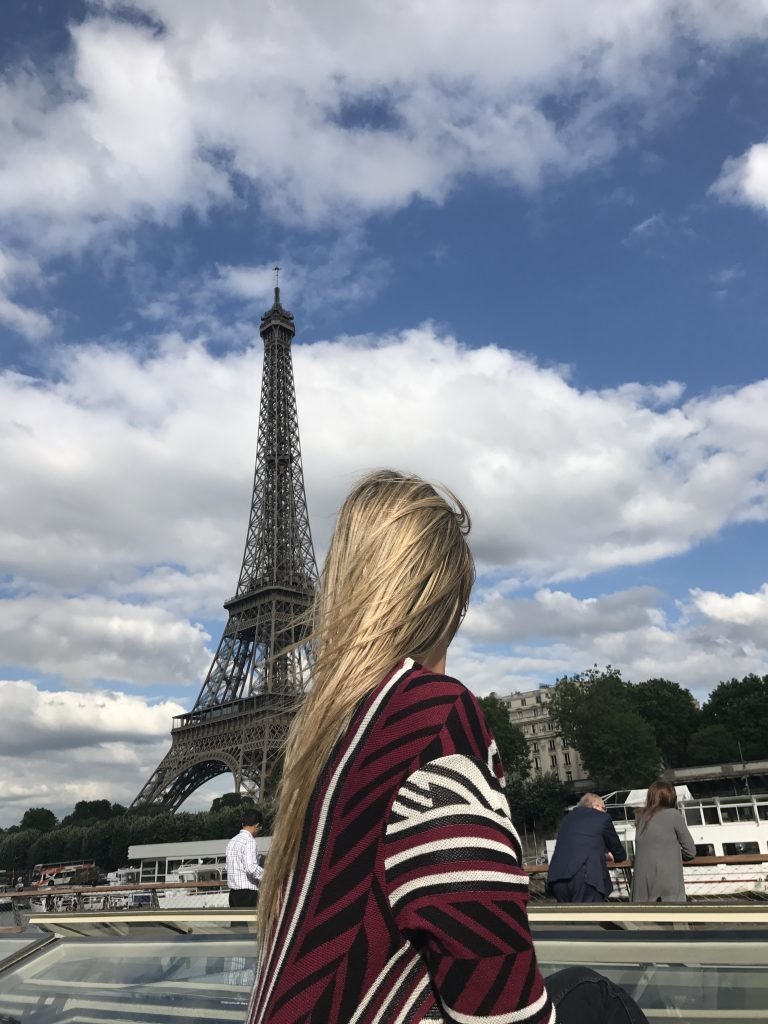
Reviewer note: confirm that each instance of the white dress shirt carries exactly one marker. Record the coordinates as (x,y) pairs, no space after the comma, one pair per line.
(243,871)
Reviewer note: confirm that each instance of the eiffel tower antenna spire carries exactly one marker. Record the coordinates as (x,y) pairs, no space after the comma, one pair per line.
(242,714)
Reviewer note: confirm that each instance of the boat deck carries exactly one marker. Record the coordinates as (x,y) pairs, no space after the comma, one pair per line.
(688,964)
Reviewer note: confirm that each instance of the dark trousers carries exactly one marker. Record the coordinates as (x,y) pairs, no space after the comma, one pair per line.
(243,897)
(575,890)
(582,996)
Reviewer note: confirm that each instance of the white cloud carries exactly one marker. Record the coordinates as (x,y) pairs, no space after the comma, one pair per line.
(556,613)
(121,462)
(61,747)
(16,270)
(739,615)
(333,108)
(81,639)
(744,179)
(517,643)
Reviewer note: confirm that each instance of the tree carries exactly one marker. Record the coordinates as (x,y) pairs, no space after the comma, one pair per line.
(236,800)
(672,712)
(512,744)
(39,818)
(595,714)
(88,811)
(741,706)
(712,744)
(537,803)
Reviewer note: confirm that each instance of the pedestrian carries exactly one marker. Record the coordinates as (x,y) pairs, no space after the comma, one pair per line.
(244,873)
(586,844)
(394,890)
(19,884)
(662,843)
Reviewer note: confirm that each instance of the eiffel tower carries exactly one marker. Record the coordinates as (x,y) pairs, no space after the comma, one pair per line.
(241,717)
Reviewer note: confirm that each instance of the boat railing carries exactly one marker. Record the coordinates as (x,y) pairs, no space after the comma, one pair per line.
(742,878)
(734,878)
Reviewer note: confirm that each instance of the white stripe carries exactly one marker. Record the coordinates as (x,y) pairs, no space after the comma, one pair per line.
(458,787)
(439,813)
(376,986)
(513,881)
(394,991)
(321,825)
(416,994)
(441,844)
(421,797)
(515,1017)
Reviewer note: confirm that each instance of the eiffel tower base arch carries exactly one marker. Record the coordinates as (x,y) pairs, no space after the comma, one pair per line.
(240,738)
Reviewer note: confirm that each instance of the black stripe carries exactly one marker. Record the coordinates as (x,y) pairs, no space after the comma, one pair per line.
(441,888)
(449,925)
(451,855)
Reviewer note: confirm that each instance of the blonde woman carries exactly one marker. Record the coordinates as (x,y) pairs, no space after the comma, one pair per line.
(394,890)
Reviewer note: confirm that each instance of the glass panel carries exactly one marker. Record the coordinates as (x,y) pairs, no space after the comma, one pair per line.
(190,978)
(705,850)
(710,815)
(693,815)
(617,812)
(737,812)
(762,812)
(736,849)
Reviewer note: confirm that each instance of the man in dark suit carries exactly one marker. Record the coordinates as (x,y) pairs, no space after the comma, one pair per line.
(586,844)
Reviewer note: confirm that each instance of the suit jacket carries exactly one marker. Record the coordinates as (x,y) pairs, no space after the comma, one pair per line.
(584,837)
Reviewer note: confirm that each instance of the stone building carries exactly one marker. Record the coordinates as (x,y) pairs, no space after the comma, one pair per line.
(549,753)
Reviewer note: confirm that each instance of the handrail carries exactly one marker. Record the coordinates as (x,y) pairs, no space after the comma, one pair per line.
(740,858)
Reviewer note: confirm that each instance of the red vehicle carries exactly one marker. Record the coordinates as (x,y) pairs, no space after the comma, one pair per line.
(65,873)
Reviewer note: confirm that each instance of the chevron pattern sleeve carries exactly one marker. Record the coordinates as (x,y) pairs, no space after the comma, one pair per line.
(458,894)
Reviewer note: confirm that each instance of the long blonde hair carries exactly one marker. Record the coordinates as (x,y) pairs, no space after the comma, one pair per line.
(396,583)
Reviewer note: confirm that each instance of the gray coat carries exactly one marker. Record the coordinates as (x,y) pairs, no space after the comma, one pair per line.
(660,848)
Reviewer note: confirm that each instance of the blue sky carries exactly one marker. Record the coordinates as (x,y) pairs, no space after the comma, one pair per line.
(539,229)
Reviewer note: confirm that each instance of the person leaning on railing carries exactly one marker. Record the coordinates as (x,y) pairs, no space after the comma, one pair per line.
(662,843)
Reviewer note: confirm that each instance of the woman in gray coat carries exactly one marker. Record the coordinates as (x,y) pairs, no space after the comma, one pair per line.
(662,843)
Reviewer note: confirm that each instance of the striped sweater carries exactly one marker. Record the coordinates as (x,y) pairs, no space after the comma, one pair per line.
(408,902)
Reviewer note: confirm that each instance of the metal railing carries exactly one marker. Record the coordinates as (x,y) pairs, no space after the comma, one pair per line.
(136,897)
(738,878)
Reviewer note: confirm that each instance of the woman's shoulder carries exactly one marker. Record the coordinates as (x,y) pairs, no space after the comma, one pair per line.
(433,702)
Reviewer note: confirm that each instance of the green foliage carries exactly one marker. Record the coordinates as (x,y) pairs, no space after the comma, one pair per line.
(39,818)
(741,707)
(537,803)
(106,841)
(236,800)
(87,812)
(595,713)
(712,744)
(512,744)
(672,712)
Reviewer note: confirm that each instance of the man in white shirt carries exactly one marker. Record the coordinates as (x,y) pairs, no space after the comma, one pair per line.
(244,873)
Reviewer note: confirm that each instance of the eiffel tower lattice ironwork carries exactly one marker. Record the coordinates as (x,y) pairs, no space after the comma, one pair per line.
(241,717)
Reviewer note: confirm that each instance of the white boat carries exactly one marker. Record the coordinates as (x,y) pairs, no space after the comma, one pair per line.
(720,827)
(210,896)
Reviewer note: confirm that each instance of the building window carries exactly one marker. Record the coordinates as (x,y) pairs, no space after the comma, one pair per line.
(739,849)
(569,776)
(552,745)
(533,727)
(523,702)
(535,748)
(538,698)
(537,763)
(553,760)
(566,758)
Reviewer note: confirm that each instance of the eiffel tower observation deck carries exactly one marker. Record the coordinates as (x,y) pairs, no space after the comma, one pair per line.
(261,667)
